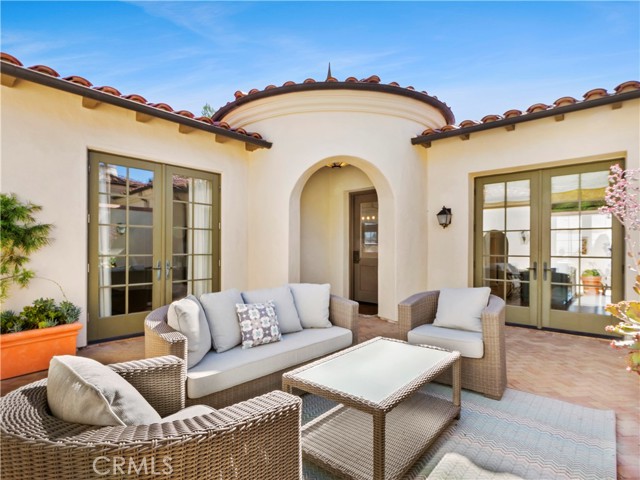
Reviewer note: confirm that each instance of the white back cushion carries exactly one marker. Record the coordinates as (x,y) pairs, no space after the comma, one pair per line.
(220,308)
(461,308)
(81,390)
(312,303)
(187,316)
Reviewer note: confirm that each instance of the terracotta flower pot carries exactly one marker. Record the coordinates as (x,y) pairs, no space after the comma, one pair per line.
(30,351)
(592,285)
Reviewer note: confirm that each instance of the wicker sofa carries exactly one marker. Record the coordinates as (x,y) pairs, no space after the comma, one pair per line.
(161,339)
(259,438)
(487,375)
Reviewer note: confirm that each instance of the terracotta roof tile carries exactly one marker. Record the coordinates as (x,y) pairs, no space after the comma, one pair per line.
(309,80)
(394,84)
(252,91)
(490,118)
(331,79)
(5,57)
(44,69)
(110,90)
(468,123)
(185,113)
(136,98)
(270,87)
(351,80)
(512,113)
(627,87)
(161,106)
(595,93)
(562,101)
(239,94)
(83,82)
(371,79)
(79,80)
(288,83)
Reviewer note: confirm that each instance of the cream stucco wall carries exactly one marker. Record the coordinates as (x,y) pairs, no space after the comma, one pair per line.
(310,129)
(46,136)
(599,133)
(324,224)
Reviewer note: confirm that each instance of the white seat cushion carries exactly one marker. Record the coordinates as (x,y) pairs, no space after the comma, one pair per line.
(219,371)
(469,344)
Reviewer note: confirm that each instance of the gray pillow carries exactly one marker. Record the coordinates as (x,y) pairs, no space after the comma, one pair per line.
(258,324)
(288,318)
(188,317)
(81,390)
(220,309)
(312,303)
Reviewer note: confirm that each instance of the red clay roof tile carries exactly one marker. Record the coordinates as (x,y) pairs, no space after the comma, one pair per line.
(512,113)
(224,125)
(270,87)
(468,123)
(448,128)
(538,107)
(288,83)
(429,131)
(562,101)
(5,57)
(205,120)
(136,98)
(110,90)
(490,118)
(239,94)
(595,93)
(627,86)
(79,80)
(161,106)
(309,80)
(185,113)
(44,69)
(351,80)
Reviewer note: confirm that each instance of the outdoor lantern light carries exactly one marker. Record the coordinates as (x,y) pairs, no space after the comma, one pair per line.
(444,217)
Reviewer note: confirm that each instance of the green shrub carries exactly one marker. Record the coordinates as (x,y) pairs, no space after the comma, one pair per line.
(43,313)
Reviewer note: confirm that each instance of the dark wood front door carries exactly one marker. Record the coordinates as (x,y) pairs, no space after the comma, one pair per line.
(364,246)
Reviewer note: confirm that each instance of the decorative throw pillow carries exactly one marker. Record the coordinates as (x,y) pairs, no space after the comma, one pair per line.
(288,318)
(258,324)
(81,390)
(461,308)
(187,317)
(312,303)
(220,308)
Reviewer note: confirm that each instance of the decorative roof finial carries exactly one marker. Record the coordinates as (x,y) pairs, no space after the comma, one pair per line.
(329,72)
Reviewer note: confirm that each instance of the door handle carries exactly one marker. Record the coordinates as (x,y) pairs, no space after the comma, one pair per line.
(545,269)
(534,269)
(168,268)
(158,269)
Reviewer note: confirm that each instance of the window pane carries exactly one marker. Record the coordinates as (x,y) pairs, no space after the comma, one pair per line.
(518,218)
(565,243)
(565,193)
(179,270)
(201,241)
(140,298)
(202,191)
(179,290)
(519,242)
(493,219)
(140,240)
(180,240)
(202,266)
(181,186)
(140,269)
(140,210)
(201,216)
(111,240)
(112,209)
(494,195)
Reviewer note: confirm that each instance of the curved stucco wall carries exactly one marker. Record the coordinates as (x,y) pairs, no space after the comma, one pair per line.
(308,129)
(46,136)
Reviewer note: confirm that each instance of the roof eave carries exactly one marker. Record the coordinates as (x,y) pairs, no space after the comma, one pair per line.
(505,122)
(97,95)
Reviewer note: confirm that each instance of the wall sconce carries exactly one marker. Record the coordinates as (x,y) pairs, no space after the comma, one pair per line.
(444,217)
(337,164)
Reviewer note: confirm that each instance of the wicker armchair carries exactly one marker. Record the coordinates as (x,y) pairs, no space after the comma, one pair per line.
(259,438)
(487,375)
(160,339)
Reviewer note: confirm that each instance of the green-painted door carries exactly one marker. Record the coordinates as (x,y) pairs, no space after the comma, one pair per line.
(537,236)
(153,238)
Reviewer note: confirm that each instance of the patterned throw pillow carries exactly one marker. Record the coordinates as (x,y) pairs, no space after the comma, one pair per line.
(258,323)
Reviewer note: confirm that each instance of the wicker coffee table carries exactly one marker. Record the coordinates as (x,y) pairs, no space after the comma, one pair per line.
(382,425)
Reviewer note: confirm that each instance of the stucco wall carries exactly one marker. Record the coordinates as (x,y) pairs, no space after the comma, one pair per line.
(324,225)
(370,131)
(46,136)
(594,134)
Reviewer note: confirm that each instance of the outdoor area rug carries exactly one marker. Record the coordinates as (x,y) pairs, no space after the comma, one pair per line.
(526,435)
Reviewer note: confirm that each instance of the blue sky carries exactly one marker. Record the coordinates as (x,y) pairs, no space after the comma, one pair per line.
(478,57)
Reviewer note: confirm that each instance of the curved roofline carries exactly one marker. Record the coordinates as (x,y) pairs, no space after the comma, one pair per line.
(334,85)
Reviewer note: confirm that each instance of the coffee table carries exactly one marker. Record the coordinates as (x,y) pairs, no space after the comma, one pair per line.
(382,425)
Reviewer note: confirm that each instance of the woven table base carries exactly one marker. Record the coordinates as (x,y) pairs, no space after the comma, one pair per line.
(341,439)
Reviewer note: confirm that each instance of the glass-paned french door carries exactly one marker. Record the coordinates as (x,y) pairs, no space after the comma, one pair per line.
(542,245)
(153,238)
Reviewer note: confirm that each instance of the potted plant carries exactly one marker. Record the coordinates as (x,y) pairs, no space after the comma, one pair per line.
(592,281)
(43,329)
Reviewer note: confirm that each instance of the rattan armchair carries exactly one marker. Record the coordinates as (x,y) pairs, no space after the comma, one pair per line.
(259,438)
(487,375)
